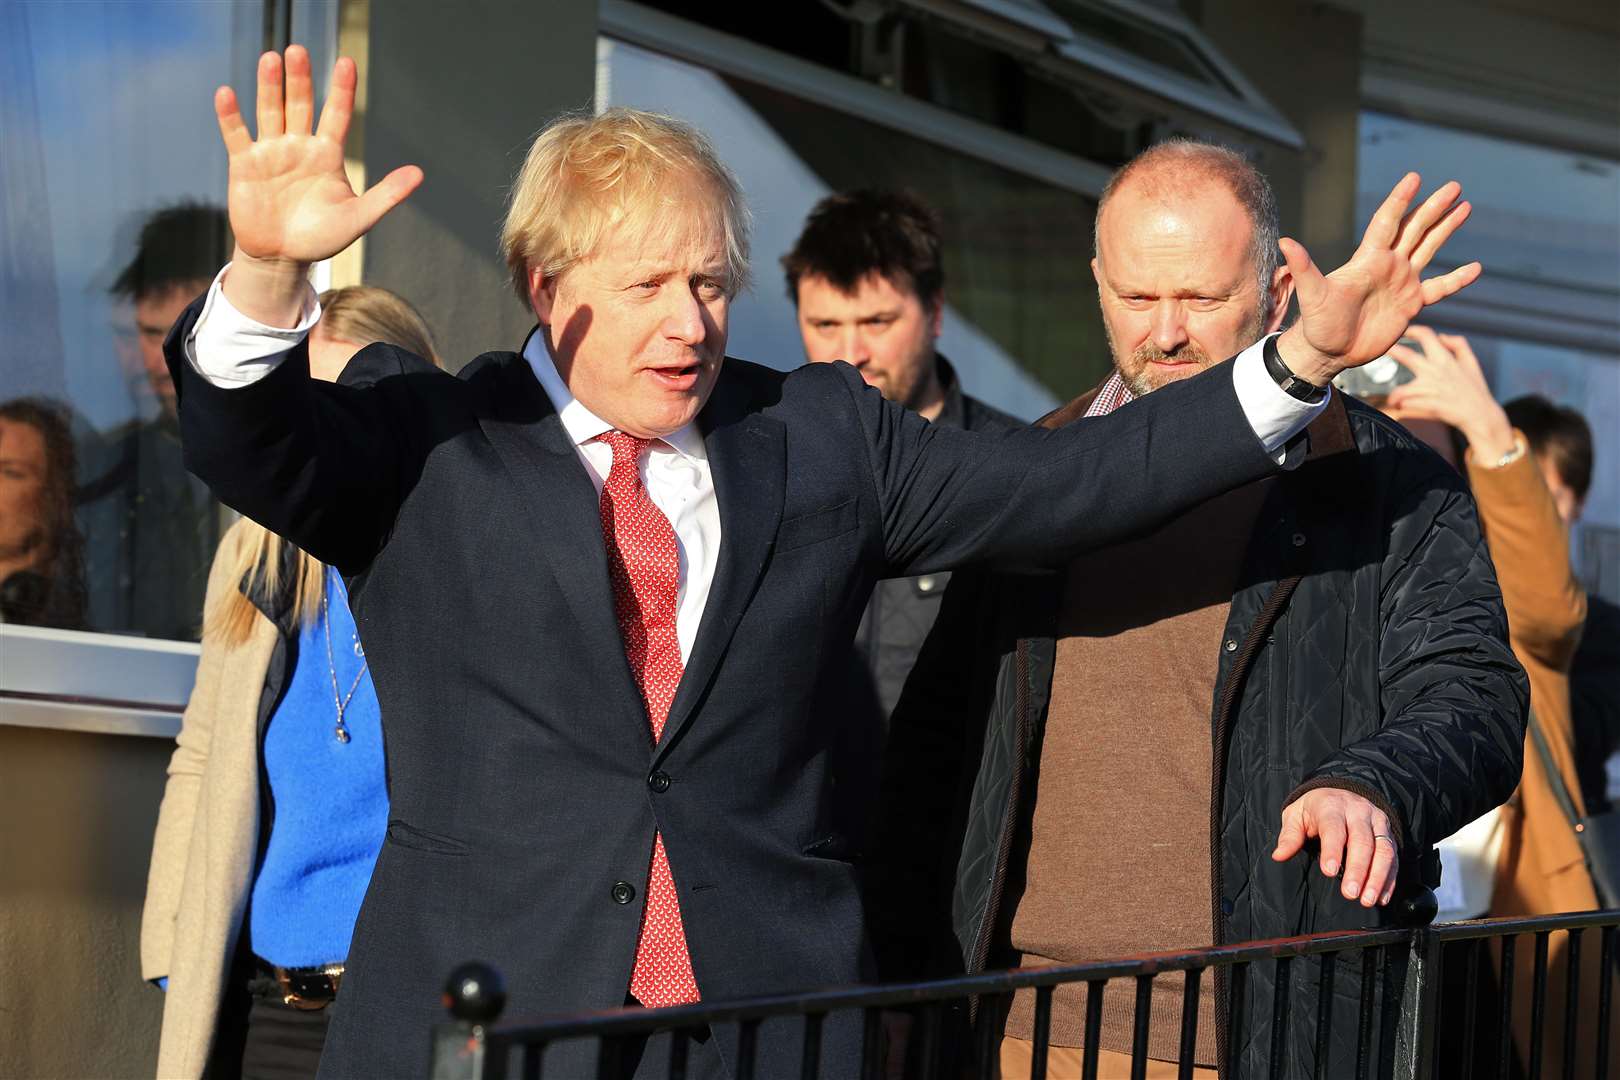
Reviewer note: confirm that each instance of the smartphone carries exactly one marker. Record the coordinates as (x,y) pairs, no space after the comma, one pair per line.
(1376,378)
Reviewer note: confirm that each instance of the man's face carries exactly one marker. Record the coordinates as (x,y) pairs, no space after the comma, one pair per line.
(1176,281)
(886,332)
(22,486)
(638,329)
(155,313)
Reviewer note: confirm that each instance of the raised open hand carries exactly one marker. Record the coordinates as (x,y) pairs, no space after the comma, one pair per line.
(1353,315)
(1449,386)
(289,198)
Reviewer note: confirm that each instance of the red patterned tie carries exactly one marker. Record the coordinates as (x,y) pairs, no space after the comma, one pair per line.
(644,566)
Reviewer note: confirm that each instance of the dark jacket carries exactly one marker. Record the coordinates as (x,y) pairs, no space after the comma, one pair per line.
(1594,700)
(524,790)
(891,632)
(1366,649)
(150,532)
(902,610)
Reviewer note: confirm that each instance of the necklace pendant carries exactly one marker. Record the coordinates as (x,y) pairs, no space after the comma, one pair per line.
(342,733)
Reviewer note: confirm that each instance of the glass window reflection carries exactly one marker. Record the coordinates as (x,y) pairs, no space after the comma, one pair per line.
(110,223)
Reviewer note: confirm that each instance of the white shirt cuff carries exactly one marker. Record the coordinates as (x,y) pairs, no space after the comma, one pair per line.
(230,350)
(1275,416)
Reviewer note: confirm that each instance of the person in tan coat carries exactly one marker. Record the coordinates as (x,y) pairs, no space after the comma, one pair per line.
(242,872)
(1541,869)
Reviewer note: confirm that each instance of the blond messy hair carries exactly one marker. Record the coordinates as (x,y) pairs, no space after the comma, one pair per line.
(585,174)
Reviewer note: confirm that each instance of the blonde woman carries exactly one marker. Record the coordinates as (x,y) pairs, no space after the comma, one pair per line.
(276,803)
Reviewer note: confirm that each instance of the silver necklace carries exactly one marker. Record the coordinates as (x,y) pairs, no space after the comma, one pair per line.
(341,731)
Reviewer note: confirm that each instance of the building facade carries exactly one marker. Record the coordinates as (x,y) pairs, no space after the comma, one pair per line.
(1006,115)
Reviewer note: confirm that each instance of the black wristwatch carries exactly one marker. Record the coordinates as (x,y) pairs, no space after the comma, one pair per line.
(1292,385)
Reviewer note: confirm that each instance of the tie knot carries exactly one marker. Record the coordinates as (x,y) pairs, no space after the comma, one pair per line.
(626,448)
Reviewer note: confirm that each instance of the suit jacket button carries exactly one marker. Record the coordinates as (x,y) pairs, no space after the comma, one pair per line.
(1227,907)
(623,892)
(659,782)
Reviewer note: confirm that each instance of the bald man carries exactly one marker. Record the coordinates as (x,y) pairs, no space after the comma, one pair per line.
(1253,722)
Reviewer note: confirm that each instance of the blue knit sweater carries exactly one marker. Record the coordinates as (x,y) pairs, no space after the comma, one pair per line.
(331,801)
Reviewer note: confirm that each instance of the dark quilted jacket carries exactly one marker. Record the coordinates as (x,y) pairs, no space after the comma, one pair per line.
(1366,649)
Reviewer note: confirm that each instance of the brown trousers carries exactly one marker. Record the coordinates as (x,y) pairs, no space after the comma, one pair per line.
(1063,1063)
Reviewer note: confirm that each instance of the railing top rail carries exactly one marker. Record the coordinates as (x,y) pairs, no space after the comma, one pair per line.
(628,1021)
(634,1020)
(476,1045)
(1483,928)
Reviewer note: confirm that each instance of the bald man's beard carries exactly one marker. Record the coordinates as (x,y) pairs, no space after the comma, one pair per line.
(1137,369)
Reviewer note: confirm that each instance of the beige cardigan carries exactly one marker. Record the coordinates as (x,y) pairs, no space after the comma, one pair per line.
(207,839)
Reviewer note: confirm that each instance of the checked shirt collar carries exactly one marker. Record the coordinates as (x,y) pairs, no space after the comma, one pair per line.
(1113,394)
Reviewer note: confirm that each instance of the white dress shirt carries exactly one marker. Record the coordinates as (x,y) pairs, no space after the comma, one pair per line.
(675,470)
(229,350)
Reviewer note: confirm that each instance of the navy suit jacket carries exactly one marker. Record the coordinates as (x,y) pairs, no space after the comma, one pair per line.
(518,749)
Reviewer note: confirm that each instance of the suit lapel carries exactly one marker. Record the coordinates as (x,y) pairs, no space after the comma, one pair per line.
(527,433)
(748,461)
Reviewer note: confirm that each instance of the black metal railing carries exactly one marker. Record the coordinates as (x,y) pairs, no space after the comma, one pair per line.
(1420,1004)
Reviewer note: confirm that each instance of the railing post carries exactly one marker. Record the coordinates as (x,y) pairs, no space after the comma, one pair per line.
(475,996)
(1420,1008)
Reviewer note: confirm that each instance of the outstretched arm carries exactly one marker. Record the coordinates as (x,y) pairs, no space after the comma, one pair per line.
(950,497)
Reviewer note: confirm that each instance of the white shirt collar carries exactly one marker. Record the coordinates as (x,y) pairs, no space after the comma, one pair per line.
(583,425)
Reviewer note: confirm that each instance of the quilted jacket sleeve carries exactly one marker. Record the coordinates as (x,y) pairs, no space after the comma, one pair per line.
(1452,696)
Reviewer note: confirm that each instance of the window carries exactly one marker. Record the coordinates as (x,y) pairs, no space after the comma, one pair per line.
(1541,216)
(111,220)
(1545,316)
(1166,47)
(1087,77)
(1021,322)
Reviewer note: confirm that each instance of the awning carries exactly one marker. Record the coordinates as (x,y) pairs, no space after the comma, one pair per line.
(1137,50)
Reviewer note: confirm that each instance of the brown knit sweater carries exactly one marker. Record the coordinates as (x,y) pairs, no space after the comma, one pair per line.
(1119,859)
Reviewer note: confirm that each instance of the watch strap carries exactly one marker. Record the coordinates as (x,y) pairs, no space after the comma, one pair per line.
(1291,384)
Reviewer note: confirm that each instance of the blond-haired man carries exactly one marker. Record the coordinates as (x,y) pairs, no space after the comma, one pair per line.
(634,556)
